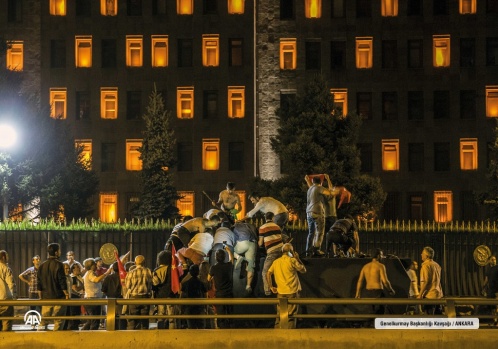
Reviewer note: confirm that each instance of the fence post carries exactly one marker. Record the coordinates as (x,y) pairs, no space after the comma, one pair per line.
(283,312)
(111,314)
(450,308)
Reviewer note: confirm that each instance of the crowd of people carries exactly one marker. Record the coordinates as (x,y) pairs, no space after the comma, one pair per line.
(198,261)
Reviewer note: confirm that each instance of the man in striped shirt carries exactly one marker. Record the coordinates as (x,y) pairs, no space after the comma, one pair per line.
(270,236)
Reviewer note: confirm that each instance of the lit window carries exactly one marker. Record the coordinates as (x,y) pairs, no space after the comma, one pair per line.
(441,51)
(108,7)
(389,8)
(340,101)
(133,51)
(492,101)
(83,54)
(390,154)
(159,51)
(15,56)
(58,7)
(313,8)
(185,102)
(108,207)
(86,152)
(236,101)
(109,103)
(210,50)
(288,54)
(185,203)
(443,206)
(242,196)
(133,162)
(58,98)
(468,153)
(235,7)
(364,52)
(467,7)
(184,7)
(210,154)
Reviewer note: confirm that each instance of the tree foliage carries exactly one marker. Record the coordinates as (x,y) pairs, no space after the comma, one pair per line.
(314,138)
(48,176)
(489,197)
(158,195)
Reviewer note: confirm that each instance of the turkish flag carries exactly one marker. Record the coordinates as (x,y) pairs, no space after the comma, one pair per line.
(122,270)
(175,271)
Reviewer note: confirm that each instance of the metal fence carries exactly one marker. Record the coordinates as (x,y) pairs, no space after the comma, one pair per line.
(452,309)
(454,244)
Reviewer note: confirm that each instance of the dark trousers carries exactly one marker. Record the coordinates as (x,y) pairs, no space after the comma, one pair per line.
(92,310)
(140,309)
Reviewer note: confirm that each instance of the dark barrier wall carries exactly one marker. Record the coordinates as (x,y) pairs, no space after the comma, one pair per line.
(454,250)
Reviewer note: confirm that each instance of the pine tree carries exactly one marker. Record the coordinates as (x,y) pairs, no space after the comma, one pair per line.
(314,138)
(157,154)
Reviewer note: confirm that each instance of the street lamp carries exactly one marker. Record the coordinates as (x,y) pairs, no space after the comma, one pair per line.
(8,138)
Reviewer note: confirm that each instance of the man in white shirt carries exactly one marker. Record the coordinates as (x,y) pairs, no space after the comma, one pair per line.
(269,204)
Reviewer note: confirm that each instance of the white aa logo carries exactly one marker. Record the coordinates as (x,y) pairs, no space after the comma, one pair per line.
(32,318)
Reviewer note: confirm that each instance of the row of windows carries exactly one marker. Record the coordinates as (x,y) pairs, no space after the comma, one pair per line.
(134,7)
(388,8)
(415,103)
(441,53)
(442,201)
(390,149)
(184,103)
(159,57)
(185,155)
(108,205)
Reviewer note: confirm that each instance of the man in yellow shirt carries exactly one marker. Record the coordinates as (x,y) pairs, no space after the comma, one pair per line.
(285,270)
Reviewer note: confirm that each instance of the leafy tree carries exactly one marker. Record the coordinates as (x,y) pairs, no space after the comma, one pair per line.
(157,154)
(47,174)
(489,197)
(315,138)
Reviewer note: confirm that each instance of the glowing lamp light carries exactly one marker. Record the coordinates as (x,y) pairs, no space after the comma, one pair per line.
(313,10)
(237,6)
(8,136)
(439,58)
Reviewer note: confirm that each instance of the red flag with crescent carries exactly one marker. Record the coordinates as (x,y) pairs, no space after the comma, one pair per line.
(121,268)
(176,272)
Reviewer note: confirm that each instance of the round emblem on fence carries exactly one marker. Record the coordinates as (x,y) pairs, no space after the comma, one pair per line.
(107,253)
(482,254)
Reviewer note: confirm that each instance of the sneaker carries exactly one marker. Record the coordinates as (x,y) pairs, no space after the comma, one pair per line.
(319,253)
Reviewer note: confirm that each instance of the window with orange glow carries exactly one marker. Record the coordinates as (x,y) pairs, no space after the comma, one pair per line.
(390,154)
(185,102)
(242,196)
(15,56)
(185,7)
(236,101)
(492,101)
(313,8)
(210,50)
(185,203)
(288,54)
(389,8)
(468,153)
(235,7)
(86,152)
(134,51)
(58,7)
(364,52)
(443,206)
(441,51)
(108,207)
(83,54)
(159,51)
(108,7)
(210,154)
(467,7)
(109,103)
(58,103)
(133,162)
(340,100)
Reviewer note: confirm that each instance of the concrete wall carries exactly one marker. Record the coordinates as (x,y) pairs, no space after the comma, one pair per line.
(267,338)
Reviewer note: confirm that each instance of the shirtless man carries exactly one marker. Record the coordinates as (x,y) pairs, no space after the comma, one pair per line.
(376,278)
(229,201)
